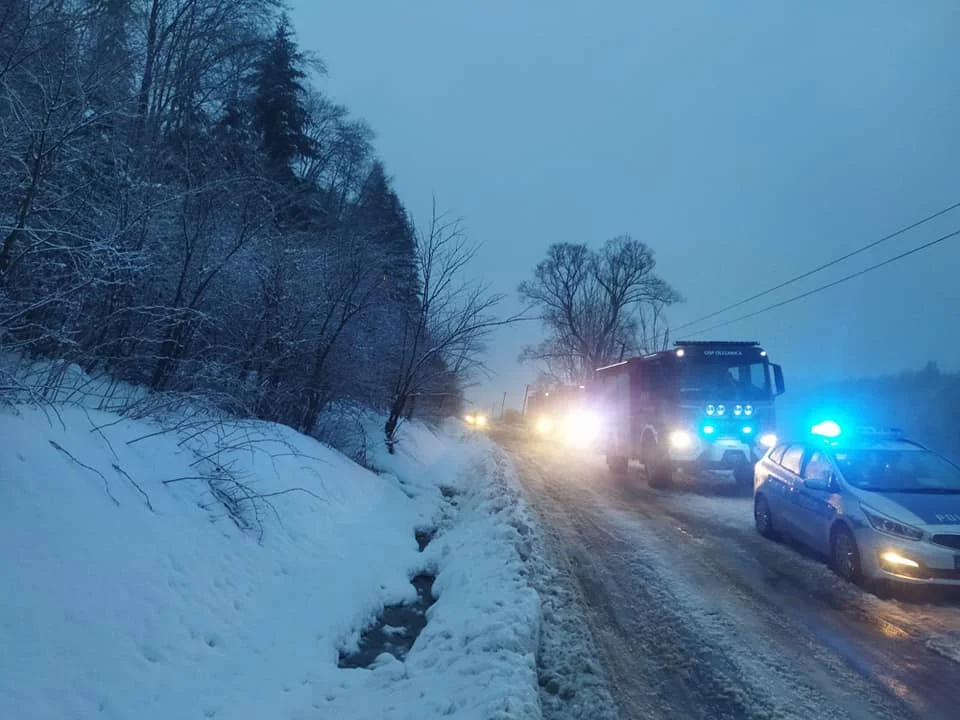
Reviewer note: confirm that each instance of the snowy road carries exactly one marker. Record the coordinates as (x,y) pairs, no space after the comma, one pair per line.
(695,616)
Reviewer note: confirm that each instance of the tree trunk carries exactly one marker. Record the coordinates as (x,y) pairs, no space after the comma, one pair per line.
(390,428)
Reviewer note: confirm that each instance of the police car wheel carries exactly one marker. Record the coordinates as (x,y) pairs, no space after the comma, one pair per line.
(762,517)
(846,555)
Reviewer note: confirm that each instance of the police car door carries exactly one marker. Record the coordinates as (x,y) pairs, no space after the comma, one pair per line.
(782,488)
(814,510)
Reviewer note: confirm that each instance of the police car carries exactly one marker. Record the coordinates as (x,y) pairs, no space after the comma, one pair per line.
(879,505)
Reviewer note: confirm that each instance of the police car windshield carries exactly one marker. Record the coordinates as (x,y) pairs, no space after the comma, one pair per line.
(724,379)
(896,470)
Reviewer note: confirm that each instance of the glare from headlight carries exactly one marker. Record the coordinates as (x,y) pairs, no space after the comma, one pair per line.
(581,428)
(481,420)
(470,419)
(768,440)
(544,425)
(680,440)
(894,558)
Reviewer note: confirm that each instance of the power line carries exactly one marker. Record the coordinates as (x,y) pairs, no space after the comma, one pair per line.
(851,276)
(815,270)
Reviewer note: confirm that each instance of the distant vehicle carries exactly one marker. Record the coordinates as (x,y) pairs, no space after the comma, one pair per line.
(476,420)
(701,405)
(879,505)
(561,412)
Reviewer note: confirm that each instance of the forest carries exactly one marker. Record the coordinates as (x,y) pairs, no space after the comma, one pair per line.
(183,208)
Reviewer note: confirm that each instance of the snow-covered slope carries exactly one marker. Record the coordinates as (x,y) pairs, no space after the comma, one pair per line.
(129,590)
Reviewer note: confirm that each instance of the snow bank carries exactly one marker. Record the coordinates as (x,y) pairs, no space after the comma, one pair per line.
(476,658)
(217,569)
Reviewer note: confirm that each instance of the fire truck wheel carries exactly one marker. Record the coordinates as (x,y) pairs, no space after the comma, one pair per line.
(659,473)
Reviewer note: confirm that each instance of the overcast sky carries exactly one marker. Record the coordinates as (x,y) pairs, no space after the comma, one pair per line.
(744,142)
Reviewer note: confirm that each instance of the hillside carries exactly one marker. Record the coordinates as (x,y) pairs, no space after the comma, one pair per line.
(201,567)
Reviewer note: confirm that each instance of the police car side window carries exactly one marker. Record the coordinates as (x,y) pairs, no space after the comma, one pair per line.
(793,459)
(817,467)
(777,453)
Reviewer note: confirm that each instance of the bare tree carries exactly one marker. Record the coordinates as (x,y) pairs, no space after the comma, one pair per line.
(654,328)
(149,234)
(595,304)
(444,336)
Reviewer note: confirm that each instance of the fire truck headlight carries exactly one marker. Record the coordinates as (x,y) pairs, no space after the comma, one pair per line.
(680,440)
(768,440)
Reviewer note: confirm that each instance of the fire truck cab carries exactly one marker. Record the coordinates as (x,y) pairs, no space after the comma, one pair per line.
(700,405)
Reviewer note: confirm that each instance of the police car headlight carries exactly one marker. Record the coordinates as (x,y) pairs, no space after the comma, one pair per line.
(889,526)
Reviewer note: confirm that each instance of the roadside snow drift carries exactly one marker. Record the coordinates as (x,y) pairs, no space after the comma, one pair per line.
(217,569)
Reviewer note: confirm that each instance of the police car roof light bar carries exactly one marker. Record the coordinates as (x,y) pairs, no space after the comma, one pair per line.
(878,432)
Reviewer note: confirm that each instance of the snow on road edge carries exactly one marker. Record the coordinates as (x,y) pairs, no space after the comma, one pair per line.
(573,685)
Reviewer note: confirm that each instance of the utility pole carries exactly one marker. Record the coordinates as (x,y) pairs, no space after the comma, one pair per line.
(503,404)
(526,393)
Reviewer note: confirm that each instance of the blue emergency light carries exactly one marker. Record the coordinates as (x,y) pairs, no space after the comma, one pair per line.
(829,429)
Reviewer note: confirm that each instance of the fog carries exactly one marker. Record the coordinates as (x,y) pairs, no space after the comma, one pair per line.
(744,141)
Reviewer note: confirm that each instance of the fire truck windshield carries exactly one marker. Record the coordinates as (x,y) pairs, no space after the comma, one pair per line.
(724,379)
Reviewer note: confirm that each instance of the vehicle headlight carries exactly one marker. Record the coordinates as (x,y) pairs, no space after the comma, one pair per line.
(470,419)
(738,410)
(582,428)
(711,409)
(748,410)
(721,409)
(889,526)
(680,440)
(544,425)
(768,440)
(481,420)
